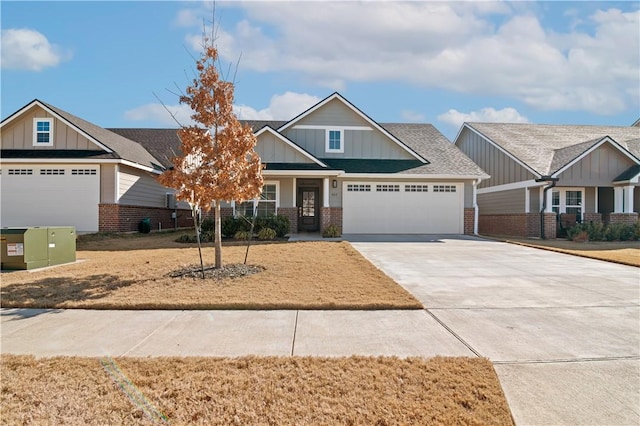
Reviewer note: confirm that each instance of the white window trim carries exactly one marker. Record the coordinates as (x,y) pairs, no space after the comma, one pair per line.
(562,207)
(327,148)
(35,131)
(267,182)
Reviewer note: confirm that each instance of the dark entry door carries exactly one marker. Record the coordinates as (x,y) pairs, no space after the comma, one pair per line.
(308,209)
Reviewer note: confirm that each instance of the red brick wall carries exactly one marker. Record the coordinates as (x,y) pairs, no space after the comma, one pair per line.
(592,218)
(517,224)
(626,218)
(469,219)
(292,214)
(330,216)
(124,218)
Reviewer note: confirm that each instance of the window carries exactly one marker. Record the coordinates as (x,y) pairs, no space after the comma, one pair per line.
(20,171)
(416,188)
(387,188)
(51,171)
(567,201)
(43,131)
(83,171)
(267,204)
(334,141)
(444,188)
(358,188)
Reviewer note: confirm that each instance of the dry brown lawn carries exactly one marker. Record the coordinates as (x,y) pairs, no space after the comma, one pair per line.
(130,272)
(624,252)
(251,391)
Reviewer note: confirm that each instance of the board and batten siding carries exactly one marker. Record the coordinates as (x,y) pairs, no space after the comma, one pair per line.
(108,183)
(598,168)
(334,113)
(502,202)
(271,149)
(139,188)
(19,134)
(498,165)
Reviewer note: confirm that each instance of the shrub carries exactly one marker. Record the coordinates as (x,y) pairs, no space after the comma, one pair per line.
(186,238)
(242,235)
(231,225)
(207,225)
(595,231)
(574,231)
(278,223)
(626,233)
(636,231)
(613,231)
(331,231)
(267,234)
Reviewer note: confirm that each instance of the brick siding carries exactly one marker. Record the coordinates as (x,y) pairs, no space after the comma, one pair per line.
(330,216)
(517,225)
(625,218)
(292,214)
(592,218)
(124,218)
(469,219)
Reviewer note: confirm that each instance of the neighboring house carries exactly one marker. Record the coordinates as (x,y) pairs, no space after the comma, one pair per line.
(594,172)
(332,164)
(58,169)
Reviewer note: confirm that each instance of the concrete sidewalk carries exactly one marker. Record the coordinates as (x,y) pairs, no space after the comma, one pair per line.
(402,333)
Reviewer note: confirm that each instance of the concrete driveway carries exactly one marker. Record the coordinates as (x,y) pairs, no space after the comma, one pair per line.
(562,331)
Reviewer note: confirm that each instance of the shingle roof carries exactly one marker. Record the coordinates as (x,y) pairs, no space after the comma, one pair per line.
(163,144)
(537,144)
(357,165)
(628,174)
(123,147)
(444,157)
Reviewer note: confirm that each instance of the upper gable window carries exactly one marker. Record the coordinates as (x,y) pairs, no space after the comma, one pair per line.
(43,131)
(335,141)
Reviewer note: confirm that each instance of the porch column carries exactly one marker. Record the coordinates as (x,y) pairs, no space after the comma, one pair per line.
(595,207)
(475,206)
(527,200)
(295,193)
(325,192)
(549,205)
(618,201)
(627,198)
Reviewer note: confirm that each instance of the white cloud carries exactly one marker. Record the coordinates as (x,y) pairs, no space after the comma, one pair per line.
(156,113)
(187,18)
(449,45)
(455,118)
(26,49)
(281,107)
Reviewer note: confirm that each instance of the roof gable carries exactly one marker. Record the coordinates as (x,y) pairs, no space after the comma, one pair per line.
(105,140)
(336,97)
(567,158)
(545,149)
(288,146)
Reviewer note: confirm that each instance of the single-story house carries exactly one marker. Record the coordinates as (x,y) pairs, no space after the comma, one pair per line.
(332,164)
(554,175)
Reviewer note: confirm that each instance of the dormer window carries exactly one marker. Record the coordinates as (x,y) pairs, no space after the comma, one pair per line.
(334,141)
(43,132)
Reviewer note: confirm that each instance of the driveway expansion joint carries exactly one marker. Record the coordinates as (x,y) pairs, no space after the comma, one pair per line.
(453,333)
(295,330)
(567,360)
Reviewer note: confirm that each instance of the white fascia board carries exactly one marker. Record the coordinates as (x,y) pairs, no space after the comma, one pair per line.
(291,144)
(509,186)
(375,125)
(407,176)
(499,148)
(59,117)
(76,161)
(299,173)
(602,141)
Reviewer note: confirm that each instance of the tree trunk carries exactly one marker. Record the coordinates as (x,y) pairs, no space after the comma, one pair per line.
(196,225)
(218,235)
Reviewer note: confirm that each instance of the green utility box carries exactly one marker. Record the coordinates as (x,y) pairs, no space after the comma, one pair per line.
(31,248)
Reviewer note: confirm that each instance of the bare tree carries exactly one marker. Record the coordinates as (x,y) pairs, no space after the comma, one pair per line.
(218,161)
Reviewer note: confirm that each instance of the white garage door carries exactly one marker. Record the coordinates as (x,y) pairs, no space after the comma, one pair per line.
(402,208)
(50,195)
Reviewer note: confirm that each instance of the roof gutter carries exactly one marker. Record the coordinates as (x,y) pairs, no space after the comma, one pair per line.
(552,182)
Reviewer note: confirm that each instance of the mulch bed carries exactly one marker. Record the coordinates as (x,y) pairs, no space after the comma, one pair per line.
(236,270)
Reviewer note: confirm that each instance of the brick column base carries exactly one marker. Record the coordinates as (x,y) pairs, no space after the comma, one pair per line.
(469,220)
(625,218)
(292,214)
(592,218)
(550,226)
(330,216)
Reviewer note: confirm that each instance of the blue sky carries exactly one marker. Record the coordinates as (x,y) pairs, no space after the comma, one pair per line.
(436,62)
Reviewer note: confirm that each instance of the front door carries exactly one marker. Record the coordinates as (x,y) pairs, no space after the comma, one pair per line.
(308,210)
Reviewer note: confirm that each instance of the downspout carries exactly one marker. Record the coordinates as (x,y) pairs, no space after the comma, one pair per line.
(475,206)
(552,181)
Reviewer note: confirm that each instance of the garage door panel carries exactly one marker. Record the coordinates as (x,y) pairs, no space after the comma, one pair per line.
(406,208)
(60,196)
